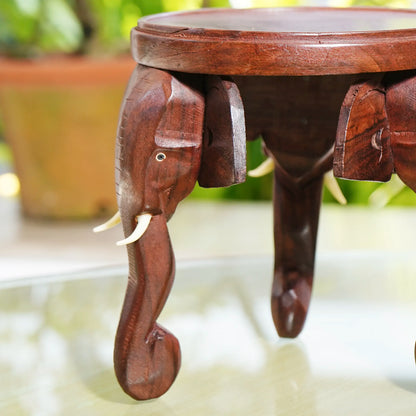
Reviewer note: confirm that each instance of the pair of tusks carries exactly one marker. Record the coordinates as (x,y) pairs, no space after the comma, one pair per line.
(329,180)
(266,167)
(142,220)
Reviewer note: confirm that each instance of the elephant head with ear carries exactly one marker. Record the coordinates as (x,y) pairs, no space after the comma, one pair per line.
(377,130)
(161,152)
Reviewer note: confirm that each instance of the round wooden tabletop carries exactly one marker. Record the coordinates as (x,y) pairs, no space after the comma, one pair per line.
(279,41)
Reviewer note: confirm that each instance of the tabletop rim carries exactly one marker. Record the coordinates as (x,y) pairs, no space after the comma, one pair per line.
(145,23)
(151,43)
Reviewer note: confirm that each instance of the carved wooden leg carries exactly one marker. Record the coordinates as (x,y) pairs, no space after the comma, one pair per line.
(401,110)
(376,133)
(297,202)
(158,160)
(296,214)
(297,118)
(147,356)
(158,153)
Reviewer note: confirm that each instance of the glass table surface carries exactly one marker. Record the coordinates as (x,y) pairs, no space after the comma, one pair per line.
(354,357)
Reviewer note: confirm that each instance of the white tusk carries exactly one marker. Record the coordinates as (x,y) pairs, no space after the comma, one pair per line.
(333,187)
(263,169)
(143,222)
(386,192)
(112,222)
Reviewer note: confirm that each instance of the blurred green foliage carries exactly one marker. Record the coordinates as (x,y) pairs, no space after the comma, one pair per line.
(5,152)
(357,193)
(31,28)
(252,188)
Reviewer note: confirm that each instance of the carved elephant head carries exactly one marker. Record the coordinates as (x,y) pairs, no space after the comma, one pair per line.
(377,130)
(173,130)
(158,154)
(158,149)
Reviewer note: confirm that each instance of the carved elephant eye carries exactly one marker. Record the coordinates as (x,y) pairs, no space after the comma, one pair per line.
(160,157)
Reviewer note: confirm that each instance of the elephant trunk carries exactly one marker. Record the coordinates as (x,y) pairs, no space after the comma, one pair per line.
(297,201)
(295,229)
(158,153)
(147,356)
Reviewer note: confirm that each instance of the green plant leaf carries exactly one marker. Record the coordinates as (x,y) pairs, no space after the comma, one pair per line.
(173,5)
(218,3)
(17,29)
(60,29)
(150,7)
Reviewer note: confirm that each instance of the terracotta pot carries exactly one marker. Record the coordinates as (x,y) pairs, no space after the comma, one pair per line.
(60,118)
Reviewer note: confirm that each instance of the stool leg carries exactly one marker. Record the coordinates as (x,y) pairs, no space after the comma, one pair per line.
(296,214)
(297,118)
(158,153)
(376,133)
(401,107)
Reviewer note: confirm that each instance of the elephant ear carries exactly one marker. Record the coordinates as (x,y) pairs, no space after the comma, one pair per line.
(223,160)
(401,109)
(362,146)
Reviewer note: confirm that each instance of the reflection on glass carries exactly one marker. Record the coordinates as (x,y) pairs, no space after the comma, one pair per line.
(57,341)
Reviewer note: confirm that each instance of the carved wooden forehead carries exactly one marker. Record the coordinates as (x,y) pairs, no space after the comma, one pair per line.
(401,104)
(362,146)
(224,146)
(177,127)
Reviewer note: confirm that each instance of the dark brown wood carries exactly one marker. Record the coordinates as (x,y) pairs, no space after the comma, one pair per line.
(377,130)
(287,41)
(376,134)
(401,110)
(160,116)
(176,128)
(362,149)
(224,145)
(287,113)
(296,214)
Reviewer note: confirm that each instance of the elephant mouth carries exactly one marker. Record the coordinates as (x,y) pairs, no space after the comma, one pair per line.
(142,220)
(330,182)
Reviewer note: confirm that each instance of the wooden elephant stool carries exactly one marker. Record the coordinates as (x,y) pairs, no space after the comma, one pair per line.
(207,81)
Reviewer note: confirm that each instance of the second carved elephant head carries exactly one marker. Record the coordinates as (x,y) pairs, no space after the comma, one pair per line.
(377,130)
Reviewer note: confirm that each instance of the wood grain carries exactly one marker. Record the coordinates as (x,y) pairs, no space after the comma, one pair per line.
(287,113)
(376,133)
(298,41)
(401,110)
(362,149)
(197,123)
(224,145)
(160,115)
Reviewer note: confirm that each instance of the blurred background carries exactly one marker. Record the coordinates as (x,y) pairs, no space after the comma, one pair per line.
(64,65)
